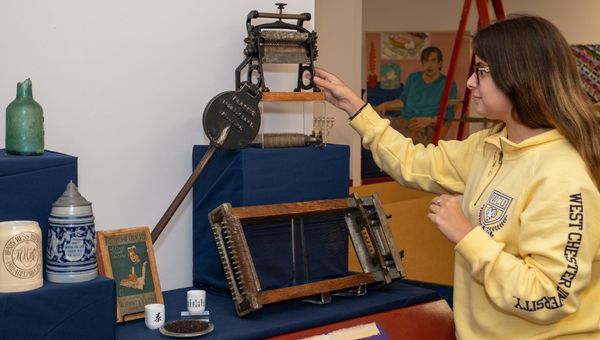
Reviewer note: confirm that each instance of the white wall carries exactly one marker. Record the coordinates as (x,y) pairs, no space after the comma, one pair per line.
(339,27)
(577,19)
(388,15)
(124,85)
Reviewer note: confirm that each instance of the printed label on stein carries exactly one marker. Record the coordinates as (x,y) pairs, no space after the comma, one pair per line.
(20,255)
(75,249)
(21,246)
(70,243)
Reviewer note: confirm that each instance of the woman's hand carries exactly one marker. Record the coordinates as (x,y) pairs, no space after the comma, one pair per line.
(336,92)
(381,109)
(446,213)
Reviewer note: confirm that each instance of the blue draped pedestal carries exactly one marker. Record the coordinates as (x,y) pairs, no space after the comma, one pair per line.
(28,187)
(30,184)
(85,310)
(267,176)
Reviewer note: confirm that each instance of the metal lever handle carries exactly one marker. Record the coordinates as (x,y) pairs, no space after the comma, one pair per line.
(164,220)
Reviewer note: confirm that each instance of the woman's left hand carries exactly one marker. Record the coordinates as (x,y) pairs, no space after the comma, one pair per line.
(446,213)
(336,92)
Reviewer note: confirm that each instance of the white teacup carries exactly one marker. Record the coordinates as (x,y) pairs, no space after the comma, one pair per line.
(154,315)
(196,301)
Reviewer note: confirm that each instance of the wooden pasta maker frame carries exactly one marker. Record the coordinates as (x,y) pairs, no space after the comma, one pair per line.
(367,227)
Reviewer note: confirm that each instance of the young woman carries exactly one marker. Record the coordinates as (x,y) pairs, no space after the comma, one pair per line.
(526,227)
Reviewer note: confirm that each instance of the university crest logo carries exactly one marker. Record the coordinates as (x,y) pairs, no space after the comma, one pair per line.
(492,215)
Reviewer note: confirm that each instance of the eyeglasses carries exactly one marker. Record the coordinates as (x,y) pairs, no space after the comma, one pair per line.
(481,71)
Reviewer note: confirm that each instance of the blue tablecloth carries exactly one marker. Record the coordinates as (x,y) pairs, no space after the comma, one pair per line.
(85,310)
(280,318)
(30,184)
(267,176)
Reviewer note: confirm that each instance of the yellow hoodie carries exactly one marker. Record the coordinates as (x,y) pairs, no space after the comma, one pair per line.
(530,268)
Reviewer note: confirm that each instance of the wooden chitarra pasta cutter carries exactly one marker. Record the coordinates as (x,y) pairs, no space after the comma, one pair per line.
(367,226)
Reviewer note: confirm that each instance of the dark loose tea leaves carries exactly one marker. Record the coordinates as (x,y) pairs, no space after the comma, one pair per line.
(186,326)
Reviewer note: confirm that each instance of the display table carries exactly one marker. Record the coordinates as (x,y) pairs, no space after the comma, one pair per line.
(60,311)
(30,184)
(282,318)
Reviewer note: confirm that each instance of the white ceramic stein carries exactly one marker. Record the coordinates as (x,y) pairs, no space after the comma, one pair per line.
(21,249)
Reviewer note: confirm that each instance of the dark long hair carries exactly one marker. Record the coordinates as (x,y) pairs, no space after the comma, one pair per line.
(533,65)
(429,50)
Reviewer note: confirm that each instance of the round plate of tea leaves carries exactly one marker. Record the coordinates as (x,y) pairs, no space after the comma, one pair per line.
(186,328)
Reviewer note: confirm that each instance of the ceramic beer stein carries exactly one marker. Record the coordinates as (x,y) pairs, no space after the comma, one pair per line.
(21,247)
(71,255)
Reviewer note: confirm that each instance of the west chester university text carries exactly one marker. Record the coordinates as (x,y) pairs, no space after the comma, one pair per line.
(574,238)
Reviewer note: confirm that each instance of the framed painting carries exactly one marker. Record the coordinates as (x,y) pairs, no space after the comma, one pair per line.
(127,256)
(393,70)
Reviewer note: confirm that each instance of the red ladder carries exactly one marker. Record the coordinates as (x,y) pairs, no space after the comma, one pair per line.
(484,20)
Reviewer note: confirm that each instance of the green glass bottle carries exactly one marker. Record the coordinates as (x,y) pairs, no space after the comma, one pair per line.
(24,123)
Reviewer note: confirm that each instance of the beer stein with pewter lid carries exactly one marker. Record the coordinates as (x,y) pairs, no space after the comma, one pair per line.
(71,255)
